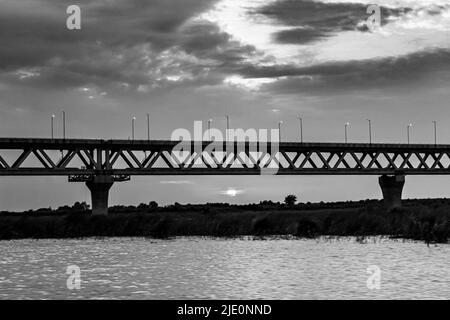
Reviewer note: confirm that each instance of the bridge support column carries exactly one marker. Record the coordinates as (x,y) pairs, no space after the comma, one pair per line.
(392,187)
(99,187)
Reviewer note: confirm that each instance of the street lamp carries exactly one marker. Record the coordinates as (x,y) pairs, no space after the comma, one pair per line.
(346,126)
(132,127)
(64,124)
(435,132)
(301,128)
(209,129)
(407,131)
(228,127)
(52,118)
(370,130)
(148,126)
(279,130)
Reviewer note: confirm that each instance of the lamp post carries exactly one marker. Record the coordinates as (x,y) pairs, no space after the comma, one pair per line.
(346,126)
(370,130)
(407,131)
(64,124)
(132,127)
(301,128)
(279,130)
(228,127)
(52,119)
(435,132)
(209,129)
(148,126)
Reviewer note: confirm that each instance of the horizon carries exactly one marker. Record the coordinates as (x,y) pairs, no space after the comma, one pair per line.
(282,202)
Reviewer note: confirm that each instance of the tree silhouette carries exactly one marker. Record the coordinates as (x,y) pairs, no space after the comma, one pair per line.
(153,205)
(290,200)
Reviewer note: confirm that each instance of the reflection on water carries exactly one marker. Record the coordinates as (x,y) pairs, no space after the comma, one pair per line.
(195,268)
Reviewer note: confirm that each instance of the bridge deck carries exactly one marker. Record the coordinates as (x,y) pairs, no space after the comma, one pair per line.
(58,144)
(31,156)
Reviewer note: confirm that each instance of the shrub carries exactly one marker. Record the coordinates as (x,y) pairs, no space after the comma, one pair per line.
(307,228)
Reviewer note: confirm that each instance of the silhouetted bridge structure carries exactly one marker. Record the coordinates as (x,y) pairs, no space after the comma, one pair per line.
(100,163)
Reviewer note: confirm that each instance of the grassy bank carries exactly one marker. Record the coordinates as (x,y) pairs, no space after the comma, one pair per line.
(427,220)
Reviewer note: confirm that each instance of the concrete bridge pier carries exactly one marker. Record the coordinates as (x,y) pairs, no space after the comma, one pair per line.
(99,187)
(392,187)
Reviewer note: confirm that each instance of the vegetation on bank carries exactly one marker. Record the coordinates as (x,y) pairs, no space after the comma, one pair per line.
(427,220)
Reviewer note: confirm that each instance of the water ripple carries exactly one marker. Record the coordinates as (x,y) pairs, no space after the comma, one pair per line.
(192,268)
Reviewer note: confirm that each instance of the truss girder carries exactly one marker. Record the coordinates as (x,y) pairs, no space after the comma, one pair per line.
(87,157)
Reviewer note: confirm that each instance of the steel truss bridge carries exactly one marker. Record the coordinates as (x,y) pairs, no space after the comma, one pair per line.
(101,162)
(44,157)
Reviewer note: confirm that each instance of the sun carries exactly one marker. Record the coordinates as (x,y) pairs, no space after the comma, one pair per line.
(231,192)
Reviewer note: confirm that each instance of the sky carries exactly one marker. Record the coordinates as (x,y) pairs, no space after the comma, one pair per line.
(259,62)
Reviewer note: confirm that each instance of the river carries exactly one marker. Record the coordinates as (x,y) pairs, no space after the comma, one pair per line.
(197,268)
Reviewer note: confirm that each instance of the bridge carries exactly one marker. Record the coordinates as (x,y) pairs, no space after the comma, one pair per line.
(99,163)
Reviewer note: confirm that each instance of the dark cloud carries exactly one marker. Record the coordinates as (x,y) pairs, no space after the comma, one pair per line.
(345,76)
(300,35)
(136,43)
(205,40)
(203,37)
(312,21)
(129,46)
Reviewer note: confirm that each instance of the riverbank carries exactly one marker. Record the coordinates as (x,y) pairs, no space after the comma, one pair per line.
(426,220)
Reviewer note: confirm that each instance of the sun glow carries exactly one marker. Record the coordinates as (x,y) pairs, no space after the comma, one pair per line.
(232,192)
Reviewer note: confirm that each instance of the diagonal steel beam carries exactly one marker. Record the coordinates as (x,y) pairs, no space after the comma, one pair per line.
(324,161)
(21,158)
(390,160)
(307,157)
(41,159)
(113,158)
(340,159)
(133,156)
(125,158)
(153,160)
(357,160)
(4,163)
(194,159)
(83,159)
(288,159)
(167,160)
(66,159)
(437,161)
(46,157)
(90,156)
(422,160)
(374,157)
(406,160)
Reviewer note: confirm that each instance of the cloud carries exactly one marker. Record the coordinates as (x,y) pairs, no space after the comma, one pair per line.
(312,21)
(300,35)
(351,75)
(141,47)
(176,182)
(121,42)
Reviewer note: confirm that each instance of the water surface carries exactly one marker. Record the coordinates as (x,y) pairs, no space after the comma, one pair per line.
(196,268)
